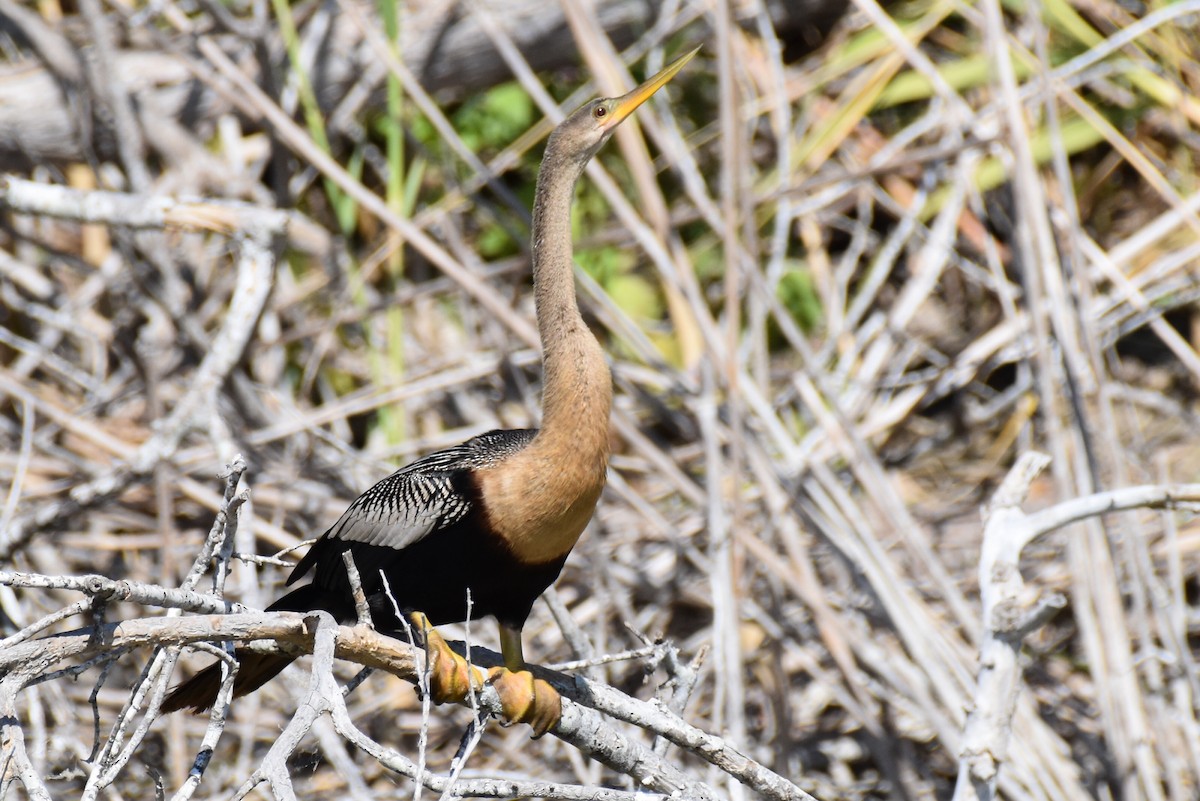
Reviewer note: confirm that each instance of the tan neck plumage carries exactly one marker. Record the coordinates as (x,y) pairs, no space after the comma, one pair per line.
(541,499)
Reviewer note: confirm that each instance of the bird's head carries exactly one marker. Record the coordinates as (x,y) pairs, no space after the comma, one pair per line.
(579,136)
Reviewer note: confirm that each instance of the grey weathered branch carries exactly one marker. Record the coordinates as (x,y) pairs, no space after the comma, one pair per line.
(1011,611)
(583,727)
(656,717)
(142,211)
(107,589)
(324,697)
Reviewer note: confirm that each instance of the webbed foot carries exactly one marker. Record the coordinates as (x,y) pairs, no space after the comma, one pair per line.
(450,677)
(525,699)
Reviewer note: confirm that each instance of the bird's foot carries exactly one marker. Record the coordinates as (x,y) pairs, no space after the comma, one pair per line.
(450,677)
(523,698)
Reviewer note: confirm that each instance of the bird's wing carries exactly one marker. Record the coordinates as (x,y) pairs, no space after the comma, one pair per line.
(401,509)
(430,494)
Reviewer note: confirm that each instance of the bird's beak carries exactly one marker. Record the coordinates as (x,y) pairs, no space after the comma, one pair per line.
(627,103)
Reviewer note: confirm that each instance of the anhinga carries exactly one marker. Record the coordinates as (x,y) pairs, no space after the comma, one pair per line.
(497,515)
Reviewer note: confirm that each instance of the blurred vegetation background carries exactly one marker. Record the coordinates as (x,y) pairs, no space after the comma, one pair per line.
(851,264)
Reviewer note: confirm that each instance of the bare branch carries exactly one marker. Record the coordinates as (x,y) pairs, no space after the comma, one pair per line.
(361,608)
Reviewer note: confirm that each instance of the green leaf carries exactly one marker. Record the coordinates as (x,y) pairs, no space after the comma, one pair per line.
(799,296)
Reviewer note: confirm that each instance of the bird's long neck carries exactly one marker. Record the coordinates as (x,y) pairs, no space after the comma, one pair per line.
(539,501)
(577,387)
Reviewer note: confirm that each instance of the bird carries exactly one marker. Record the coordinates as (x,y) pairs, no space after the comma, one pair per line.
(495,517)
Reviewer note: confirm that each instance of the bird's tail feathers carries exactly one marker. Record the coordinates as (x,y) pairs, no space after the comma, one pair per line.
(200,691)
(254,669)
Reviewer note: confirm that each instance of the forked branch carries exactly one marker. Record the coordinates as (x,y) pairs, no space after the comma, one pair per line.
(1011,610)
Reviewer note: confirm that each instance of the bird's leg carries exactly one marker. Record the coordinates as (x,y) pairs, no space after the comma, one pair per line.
(523,698)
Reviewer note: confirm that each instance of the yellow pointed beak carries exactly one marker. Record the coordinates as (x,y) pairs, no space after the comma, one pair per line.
(626,104)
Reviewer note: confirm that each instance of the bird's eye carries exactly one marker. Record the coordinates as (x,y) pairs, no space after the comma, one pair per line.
(599,112)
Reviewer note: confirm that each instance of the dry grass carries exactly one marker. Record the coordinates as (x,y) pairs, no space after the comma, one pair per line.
(842,294)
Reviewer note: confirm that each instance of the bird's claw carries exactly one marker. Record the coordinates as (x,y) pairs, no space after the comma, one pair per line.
(525,699)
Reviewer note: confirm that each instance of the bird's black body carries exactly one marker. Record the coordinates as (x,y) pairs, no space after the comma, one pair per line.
(422,535)
(422,541)
(433,576)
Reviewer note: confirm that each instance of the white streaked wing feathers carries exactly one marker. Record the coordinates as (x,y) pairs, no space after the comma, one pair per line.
(421,498)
